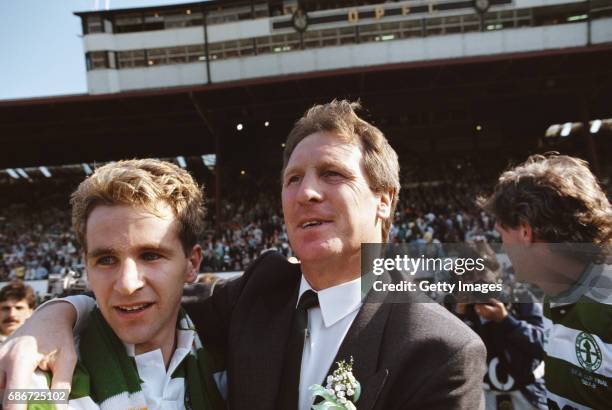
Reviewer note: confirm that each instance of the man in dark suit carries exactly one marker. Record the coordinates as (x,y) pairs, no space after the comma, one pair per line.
(283,326)
(340,182)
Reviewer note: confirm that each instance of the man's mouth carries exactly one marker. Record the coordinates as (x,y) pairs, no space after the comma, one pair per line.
(134,308)
(312,223)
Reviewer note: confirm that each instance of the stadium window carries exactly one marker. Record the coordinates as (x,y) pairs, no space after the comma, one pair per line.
(263,45)
(131,59)
(96,60)
(247,47)
(369,29)
(312,39)
(128,22)
(329,37)
(434,27)
(231,49)
(177,55)
(195,53)
(524,17)
(153,20)
(292,41)
(174,19)
(221,16)
(124,59)
(245,15)
(195,19)
(157,56)
(470,22)
(139,58)
(452,24)
(348,35)
(215,51)
(278,44)
(262,11)
(94,25)
(411,28)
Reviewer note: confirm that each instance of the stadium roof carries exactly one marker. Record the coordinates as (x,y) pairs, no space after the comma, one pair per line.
(415,104)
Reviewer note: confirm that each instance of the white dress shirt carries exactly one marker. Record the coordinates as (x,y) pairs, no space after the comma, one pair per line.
(160,390)
(328,324)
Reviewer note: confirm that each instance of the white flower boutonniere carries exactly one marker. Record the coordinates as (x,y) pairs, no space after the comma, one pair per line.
(341,391)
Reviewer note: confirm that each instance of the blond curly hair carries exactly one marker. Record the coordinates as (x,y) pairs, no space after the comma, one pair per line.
(142,183)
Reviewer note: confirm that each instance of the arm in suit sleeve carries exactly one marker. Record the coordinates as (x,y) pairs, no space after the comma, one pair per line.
(212,315)
(457,385)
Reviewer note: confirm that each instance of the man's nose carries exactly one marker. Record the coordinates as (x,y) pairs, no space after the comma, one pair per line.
(309,189)
(130,279)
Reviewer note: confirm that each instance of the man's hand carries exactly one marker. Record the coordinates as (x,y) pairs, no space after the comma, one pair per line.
(45,340)
(494,310)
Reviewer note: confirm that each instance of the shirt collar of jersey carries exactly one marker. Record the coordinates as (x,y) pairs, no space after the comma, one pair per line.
(582,287)
(152,359)
(336,302)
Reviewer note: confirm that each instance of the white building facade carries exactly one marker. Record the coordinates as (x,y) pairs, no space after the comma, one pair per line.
(225,41)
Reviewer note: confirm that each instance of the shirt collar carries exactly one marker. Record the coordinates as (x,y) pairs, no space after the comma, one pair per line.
(336,302)
(184,342)
(583,286)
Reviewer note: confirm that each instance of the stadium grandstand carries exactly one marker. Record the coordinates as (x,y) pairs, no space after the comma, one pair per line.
(460,88)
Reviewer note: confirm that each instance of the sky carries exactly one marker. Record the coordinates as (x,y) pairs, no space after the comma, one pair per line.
(41,49)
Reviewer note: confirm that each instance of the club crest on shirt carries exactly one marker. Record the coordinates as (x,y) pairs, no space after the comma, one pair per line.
(588,352)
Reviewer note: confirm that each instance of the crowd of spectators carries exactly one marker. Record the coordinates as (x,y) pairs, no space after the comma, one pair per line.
(250,226)
(36,243)
(441,212)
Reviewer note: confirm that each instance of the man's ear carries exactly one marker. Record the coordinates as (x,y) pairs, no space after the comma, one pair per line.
(526,233)
(193,263)
(384,205)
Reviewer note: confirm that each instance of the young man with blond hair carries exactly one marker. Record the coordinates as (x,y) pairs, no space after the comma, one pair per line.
(138,223)
(556,225)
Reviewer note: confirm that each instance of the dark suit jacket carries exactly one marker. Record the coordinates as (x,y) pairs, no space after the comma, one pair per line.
(406,355)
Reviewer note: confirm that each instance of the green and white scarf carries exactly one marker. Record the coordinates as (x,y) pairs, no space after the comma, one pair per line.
(106,374)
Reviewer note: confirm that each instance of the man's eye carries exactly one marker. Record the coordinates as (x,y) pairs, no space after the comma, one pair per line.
(150,256)
(106,260)
(292,179)
(332,174)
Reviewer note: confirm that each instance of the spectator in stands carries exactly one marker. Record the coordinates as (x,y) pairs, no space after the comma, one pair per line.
(17,301)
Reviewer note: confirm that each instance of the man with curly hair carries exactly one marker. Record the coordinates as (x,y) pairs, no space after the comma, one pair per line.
(556,225)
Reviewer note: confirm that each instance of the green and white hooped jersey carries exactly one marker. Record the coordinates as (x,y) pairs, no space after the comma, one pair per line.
(578,344)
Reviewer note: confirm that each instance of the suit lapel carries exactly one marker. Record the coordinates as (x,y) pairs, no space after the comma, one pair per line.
(363,342)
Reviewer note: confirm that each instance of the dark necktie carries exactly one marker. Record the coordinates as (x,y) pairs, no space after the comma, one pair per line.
(290,382)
